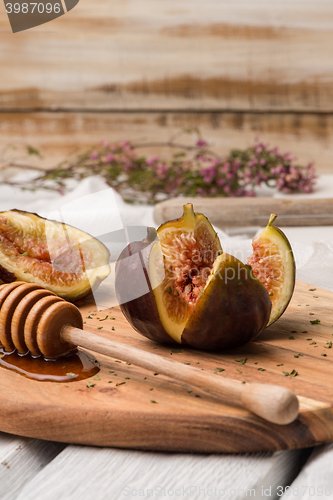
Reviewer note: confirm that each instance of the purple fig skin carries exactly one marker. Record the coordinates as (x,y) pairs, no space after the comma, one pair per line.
(231,311)
(141,312)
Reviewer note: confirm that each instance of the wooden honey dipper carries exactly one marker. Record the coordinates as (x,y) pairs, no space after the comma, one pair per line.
(36,320)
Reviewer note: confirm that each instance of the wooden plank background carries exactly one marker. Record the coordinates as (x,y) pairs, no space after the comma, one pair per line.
(144,69)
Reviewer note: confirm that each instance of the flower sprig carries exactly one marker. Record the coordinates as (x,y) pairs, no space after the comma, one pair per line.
(190,171)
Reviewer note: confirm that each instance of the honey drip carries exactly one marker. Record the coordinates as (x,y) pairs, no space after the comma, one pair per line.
(77,365)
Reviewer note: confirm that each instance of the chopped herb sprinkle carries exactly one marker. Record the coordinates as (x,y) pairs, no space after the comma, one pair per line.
(262,369)
(96,377)
(90,384)
(121,383)
(152,401)
(70,374)
(176,351)
(291,338)
(293,373)
(315,321)
(220,369)
(241,361)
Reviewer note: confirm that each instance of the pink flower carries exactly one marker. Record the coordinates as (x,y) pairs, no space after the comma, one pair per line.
(201,143)
(108,158)
(152,160)
(94,155)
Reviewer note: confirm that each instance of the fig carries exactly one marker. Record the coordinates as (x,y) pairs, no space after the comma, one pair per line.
(273,264)
(63,259)
(188,290)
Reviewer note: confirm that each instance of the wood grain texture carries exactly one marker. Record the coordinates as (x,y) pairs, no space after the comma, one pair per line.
(241,212)
(60,134)
(85,473)
(21,459)
(124,415)
(162,55)
(315,478)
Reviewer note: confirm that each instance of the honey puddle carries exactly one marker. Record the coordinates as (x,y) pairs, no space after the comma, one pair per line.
(78,365)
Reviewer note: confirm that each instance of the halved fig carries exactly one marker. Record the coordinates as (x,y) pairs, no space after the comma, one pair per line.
(273,264)
(65,260)
(188,290)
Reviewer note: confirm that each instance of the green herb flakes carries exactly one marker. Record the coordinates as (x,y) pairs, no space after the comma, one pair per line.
(176,351)
(315,322)
(70,374)
(241,361)
(121,383)
(90,384)
(293,373)
(96,377)
(153,401)
(261,369)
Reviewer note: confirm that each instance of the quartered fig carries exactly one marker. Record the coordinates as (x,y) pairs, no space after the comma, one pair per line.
(65,260)
(186,290)
(273,263)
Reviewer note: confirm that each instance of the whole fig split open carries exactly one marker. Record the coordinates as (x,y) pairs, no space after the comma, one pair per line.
(66,260)
(187,290)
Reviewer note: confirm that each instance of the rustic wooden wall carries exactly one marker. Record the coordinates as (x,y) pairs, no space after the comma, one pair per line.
(143,69)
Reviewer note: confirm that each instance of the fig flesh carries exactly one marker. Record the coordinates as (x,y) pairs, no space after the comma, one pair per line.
(63,259)
(189,290)
(273,264)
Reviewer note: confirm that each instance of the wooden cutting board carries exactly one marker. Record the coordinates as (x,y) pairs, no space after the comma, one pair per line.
(149,411)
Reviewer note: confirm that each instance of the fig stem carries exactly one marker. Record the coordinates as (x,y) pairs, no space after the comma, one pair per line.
(273,403)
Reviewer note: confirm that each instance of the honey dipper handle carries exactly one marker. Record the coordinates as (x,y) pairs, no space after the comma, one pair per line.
(273,403)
